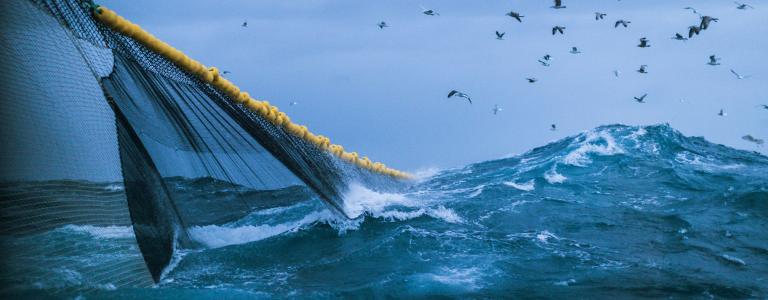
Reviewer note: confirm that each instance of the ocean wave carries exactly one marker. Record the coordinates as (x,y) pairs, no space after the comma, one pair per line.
(526,186)
(102,232)
(359,200)
(440,212)
(215,236)
(595,142)
(553,177)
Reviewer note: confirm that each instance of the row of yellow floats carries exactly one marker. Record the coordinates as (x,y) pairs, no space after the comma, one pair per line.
(212,77)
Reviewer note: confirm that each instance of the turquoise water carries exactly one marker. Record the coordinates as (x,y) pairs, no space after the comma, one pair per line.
(614,212)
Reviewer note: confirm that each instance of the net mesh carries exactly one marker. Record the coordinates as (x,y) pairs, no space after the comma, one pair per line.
(104,135)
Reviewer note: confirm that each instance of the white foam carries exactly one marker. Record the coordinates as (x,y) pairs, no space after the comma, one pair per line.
(440,212)
(425,173)
(103,232)
(114,187)
(580,156)
(477,191)
(734,260)
(553,177)
(704,163)
(526,186)
(459,277)
(215,236)
(359,199)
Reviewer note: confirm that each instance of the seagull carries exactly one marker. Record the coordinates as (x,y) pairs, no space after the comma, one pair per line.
(557,29)
(722,113)
(679,37)
(622,22)
(641,99)
(616,73)
(558,4)
(575,50)
(713,60)
(515,15)
(692,30)
(743,6)
(459,94)
(496,109)
(544,63)
(429,12)
(750,138)
(644,43)
(764,106)
(705,20)
(692,9)
(547,57)
(642,69)
(531,79)
(382,24)
(738,76)
(599,15)
(245,24)
(553,127)
(293,103)
(225,72)
(500,35)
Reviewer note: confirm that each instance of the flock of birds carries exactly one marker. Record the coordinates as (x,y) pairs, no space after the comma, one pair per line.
(693,30)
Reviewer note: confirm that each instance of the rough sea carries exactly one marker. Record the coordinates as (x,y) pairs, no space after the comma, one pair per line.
(617,212)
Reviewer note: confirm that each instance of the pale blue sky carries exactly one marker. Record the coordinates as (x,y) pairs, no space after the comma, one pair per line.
(383,92)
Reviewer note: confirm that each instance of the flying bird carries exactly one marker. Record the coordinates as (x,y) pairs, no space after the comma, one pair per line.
(743,6)
(515,15)
(575,50)
(713,60)
(679,37)
(643,69)
(693,30)
(293,103)
(750,138)
(531,79)
(225,72)
(557,29)
(616,73)
(245,24)
(429,12)
(558,4)
(765,106)
(722,113)
(547,57)
(692,9)
(496,109)
(599,15)
(459,94)
(644,43)
(739,76)
(624,23)
(544,63)
(705,20)
(553,127)
(500,35)
(382,24)
(641,99)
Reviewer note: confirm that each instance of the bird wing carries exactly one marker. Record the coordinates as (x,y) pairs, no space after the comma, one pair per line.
(734,73)
(453,92)
(554,30)
(617,24)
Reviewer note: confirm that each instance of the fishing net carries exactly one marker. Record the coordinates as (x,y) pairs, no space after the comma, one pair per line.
(98,133)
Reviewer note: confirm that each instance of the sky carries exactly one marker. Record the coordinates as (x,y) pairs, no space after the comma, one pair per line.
(383,93)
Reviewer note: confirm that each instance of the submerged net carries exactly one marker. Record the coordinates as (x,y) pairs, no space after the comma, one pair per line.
(101,134)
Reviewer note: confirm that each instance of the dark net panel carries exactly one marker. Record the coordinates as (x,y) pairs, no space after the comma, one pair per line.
(186,154)
(62,203)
